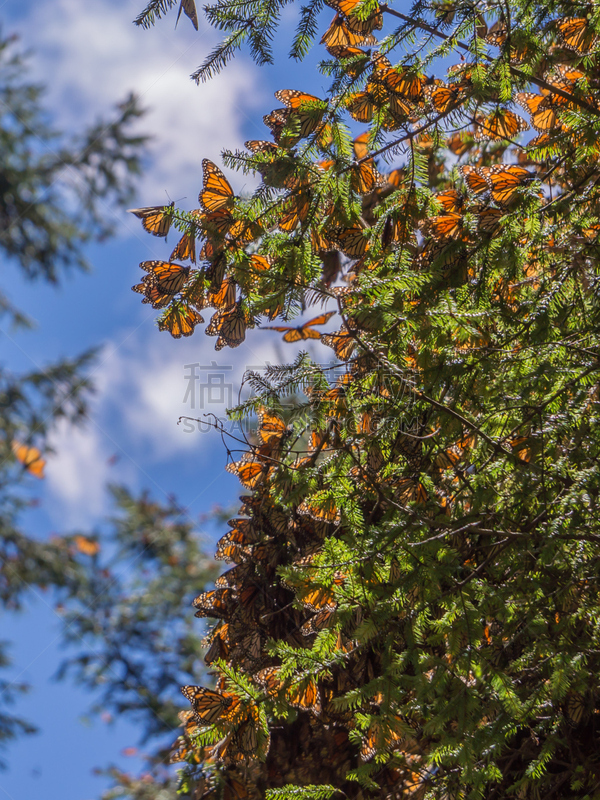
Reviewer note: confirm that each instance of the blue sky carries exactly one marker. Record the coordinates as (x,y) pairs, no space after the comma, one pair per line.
(90,55)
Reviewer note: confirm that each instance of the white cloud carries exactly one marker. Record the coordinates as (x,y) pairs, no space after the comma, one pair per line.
(91,55)
(140,395)
(76,475)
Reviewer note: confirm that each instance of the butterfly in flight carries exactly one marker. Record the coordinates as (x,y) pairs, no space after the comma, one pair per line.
(30,458)
(305,331)
(155,220)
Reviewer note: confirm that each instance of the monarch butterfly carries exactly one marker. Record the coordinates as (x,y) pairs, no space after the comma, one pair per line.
(268,679)
(362,105)
(260,263)
(399,230)
(152,294)
(180,320)
(185,248)
(229,325)
(271,426)
(497,33)
(380,737)
(276,121)
(216,192)
(321,620)
(181,750)
(216,603)
(189,9)
(408,84)
(347,7)
(518,49)
(155,219)
(356,58)
(410,490)
(476,183)
(342,342)
(194,293)
(564,76)
(542,110)
(217,224)
(243,531)
(488,220)
(224,298)
(364,178)
(295,209)
(241,745)
(321,508)
(443,98)
(235,577)
(250,651)
(352,241)
(250,473)
(502,124)
(216,272)
(505,180)
(314,599)
(304,331)
(450,200)
(576,708)
(446,226)
(261,146)
(305,695)
(169,278)
(306,108)
(576,34)
(226,551)
(459,143)
(30,458)
(88,547)
(340,34)
(210,706)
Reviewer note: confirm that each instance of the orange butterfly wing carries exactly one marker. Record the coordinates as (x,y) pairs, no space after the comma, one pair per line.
(30,458)
(503,124)
(504,181)
(541,109)
(185,248)
(180,320)
(216,192)
(476,183)
(154,219)
(576,34)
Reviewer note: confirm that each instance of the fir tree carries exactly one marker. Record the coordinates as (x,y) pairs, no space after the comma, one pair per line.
(53,187)
(412,609)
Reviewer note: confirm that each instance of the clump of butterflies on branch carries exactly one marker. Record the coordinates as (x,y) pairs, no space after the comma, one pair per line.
(314,223)
(455,188)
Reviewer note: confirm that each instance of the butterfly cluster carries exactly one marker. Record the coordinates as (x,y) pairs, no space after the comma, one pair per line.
(385,568)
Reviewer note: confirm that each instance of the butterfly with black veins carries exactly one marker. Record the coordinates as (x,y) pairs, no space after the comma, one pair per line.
(305,331)
(155,219)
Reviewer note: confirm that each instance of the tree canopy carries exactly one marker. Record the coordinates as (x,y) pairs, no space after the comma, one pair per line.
(412,607)
(52,189)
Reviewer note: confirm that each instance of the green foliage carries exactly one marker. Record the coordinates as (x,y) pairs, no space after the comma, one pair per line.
(137,648)
(415,590)
(53,191)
